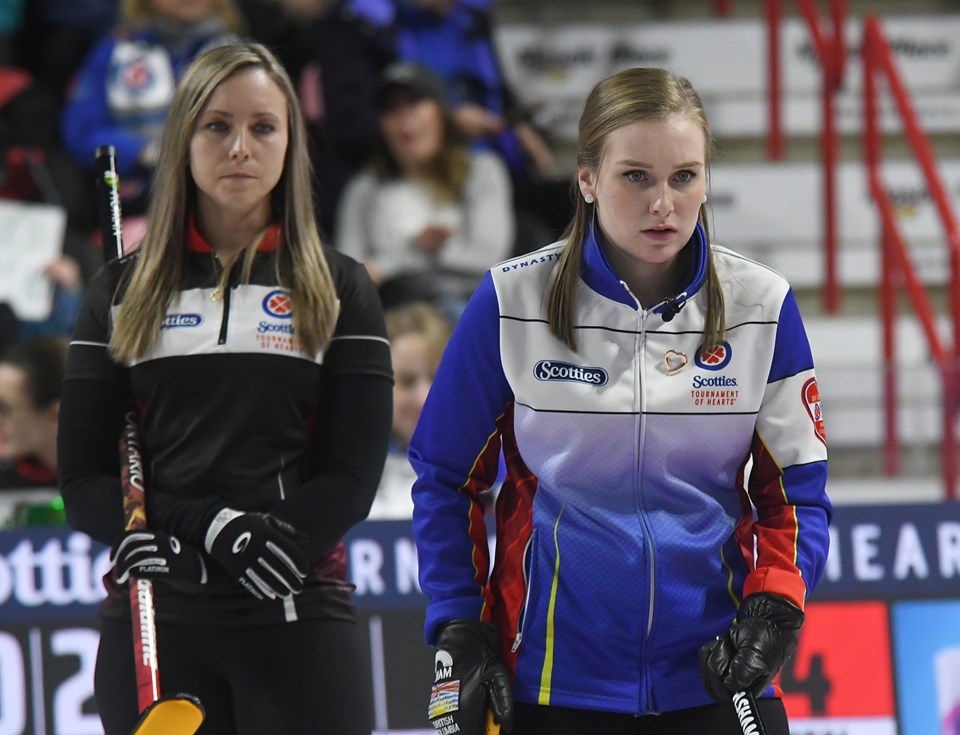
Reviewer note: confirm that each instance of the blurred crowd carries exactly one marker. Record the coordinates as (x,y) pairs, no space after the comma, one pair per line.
(427,170)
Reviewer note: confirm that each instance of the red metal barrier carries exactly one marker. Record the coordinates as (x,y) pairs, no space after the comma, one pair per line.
(897,266)
(831,52)
(722,8)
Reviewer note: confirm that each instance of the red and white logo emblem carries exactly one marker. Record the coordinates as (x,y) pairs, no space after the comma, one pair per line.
(278,304)
(716,357)
(136,75)
(810,394)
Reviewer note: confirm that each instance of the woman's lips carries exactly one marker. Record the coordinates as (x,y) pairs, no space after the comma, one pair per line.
(654,234)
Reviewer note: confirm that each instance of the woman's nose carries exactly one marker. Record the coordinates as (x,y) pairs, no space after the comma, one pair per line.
(239,150)
(662,202)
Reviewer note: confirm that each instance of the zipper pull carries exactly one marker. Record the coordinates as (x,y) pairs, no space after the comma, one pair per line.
(516,643)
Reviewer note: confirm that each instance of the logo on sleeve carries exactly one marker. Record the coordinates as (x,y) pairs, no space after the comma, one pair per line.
(714,358)
(810,394)
(278,304)
(564,371)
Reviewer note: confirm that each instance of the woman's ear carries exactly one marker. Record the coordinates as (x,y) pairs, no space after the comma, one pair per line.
(585,182)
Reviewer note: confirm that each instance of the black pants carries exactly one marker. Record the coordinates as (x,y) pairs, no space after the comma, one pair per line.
(294,678)
(532,719)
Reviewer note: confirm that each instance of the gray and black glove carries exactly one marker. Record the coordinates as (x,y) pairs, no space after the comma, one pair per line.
(469,679)
(260,551)
(159,557)
(752,652)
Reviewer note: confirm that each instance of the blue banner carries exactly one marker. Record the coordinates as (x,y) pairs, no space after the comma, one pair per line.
(893,552)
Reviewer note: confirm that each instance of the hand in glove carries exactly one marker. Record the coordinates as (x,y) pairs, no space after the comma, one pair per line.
(753,651)
(470,678)
(260,551)
(160,557)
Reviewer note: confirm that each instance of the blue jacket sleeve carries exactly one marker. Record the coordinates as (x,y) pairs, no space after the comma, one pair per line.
(789,474)
(455,452)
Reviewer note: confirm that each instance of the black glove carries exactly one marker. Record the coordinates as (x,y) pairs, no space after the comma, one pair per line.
(753,651)
(470,678)
(260,551)
(160,557)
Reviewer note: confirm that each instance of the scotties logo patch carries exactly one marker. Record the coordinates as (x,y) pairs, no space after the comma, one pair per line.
(714,358)
(810,394)
(278,304)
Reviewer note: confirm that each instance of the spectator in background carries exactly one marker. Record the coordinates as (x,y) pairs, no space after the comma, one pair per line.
(65,273)
(122,92)
(418,334)
(34,167)
(455,39)
(31,373)
(335,50)
(428,216)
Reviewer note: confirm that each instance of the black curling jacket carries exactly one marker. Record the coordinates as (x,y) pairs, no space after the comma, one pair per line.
(232,414)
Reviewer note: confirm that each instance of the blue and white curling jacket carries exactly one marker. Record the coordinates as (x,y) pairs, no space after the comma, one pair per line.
(642,471)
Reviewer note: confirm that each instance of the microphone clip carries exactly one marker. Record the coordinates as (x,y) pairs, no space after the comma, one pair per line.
(673,307)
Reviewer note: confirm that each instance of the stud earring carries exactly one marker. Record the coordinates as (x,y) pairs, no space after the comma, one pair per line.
(704,198)
(588,198)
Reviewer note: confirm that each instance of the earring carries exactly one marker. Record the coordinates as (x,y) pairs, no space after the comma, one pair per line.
(588,198)
(704,198)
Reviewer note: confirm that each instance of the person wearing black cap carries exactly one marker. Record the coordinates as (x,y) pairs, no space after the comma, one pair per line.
(409,79)
(428,216)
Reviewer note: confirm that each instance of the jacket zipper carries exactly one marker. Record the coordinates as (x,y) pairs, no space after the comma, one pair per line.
(642,315)
(642,357)
(226,316)
(522,619)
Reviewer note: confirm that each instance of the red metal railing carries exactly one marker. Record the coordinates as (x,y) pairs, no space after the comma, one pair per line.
(830,49)
(722,8)
(897,267)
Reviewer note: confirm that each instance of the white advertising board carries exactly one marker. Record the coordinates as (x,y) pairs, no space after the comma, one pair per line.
(553,67)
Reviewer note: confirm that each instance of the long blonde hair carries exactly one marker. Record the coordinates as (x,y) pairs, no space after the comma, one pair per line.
(624,98)
(158,270)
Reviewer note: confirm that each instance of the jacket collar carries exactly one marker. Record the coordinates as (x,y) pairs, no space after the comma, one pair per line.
(600,276)
(197,244)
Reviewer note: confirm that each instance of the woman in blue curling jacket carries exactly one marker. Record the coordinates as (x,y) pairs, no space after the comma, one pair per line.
(664,515)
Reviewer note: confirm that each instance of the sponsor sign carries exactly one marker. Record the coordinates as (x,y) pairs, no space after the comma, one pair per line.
(926,639)
(843,652)
(553,67)
(893,552)
(773,212)
(555,370)
(881,557)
